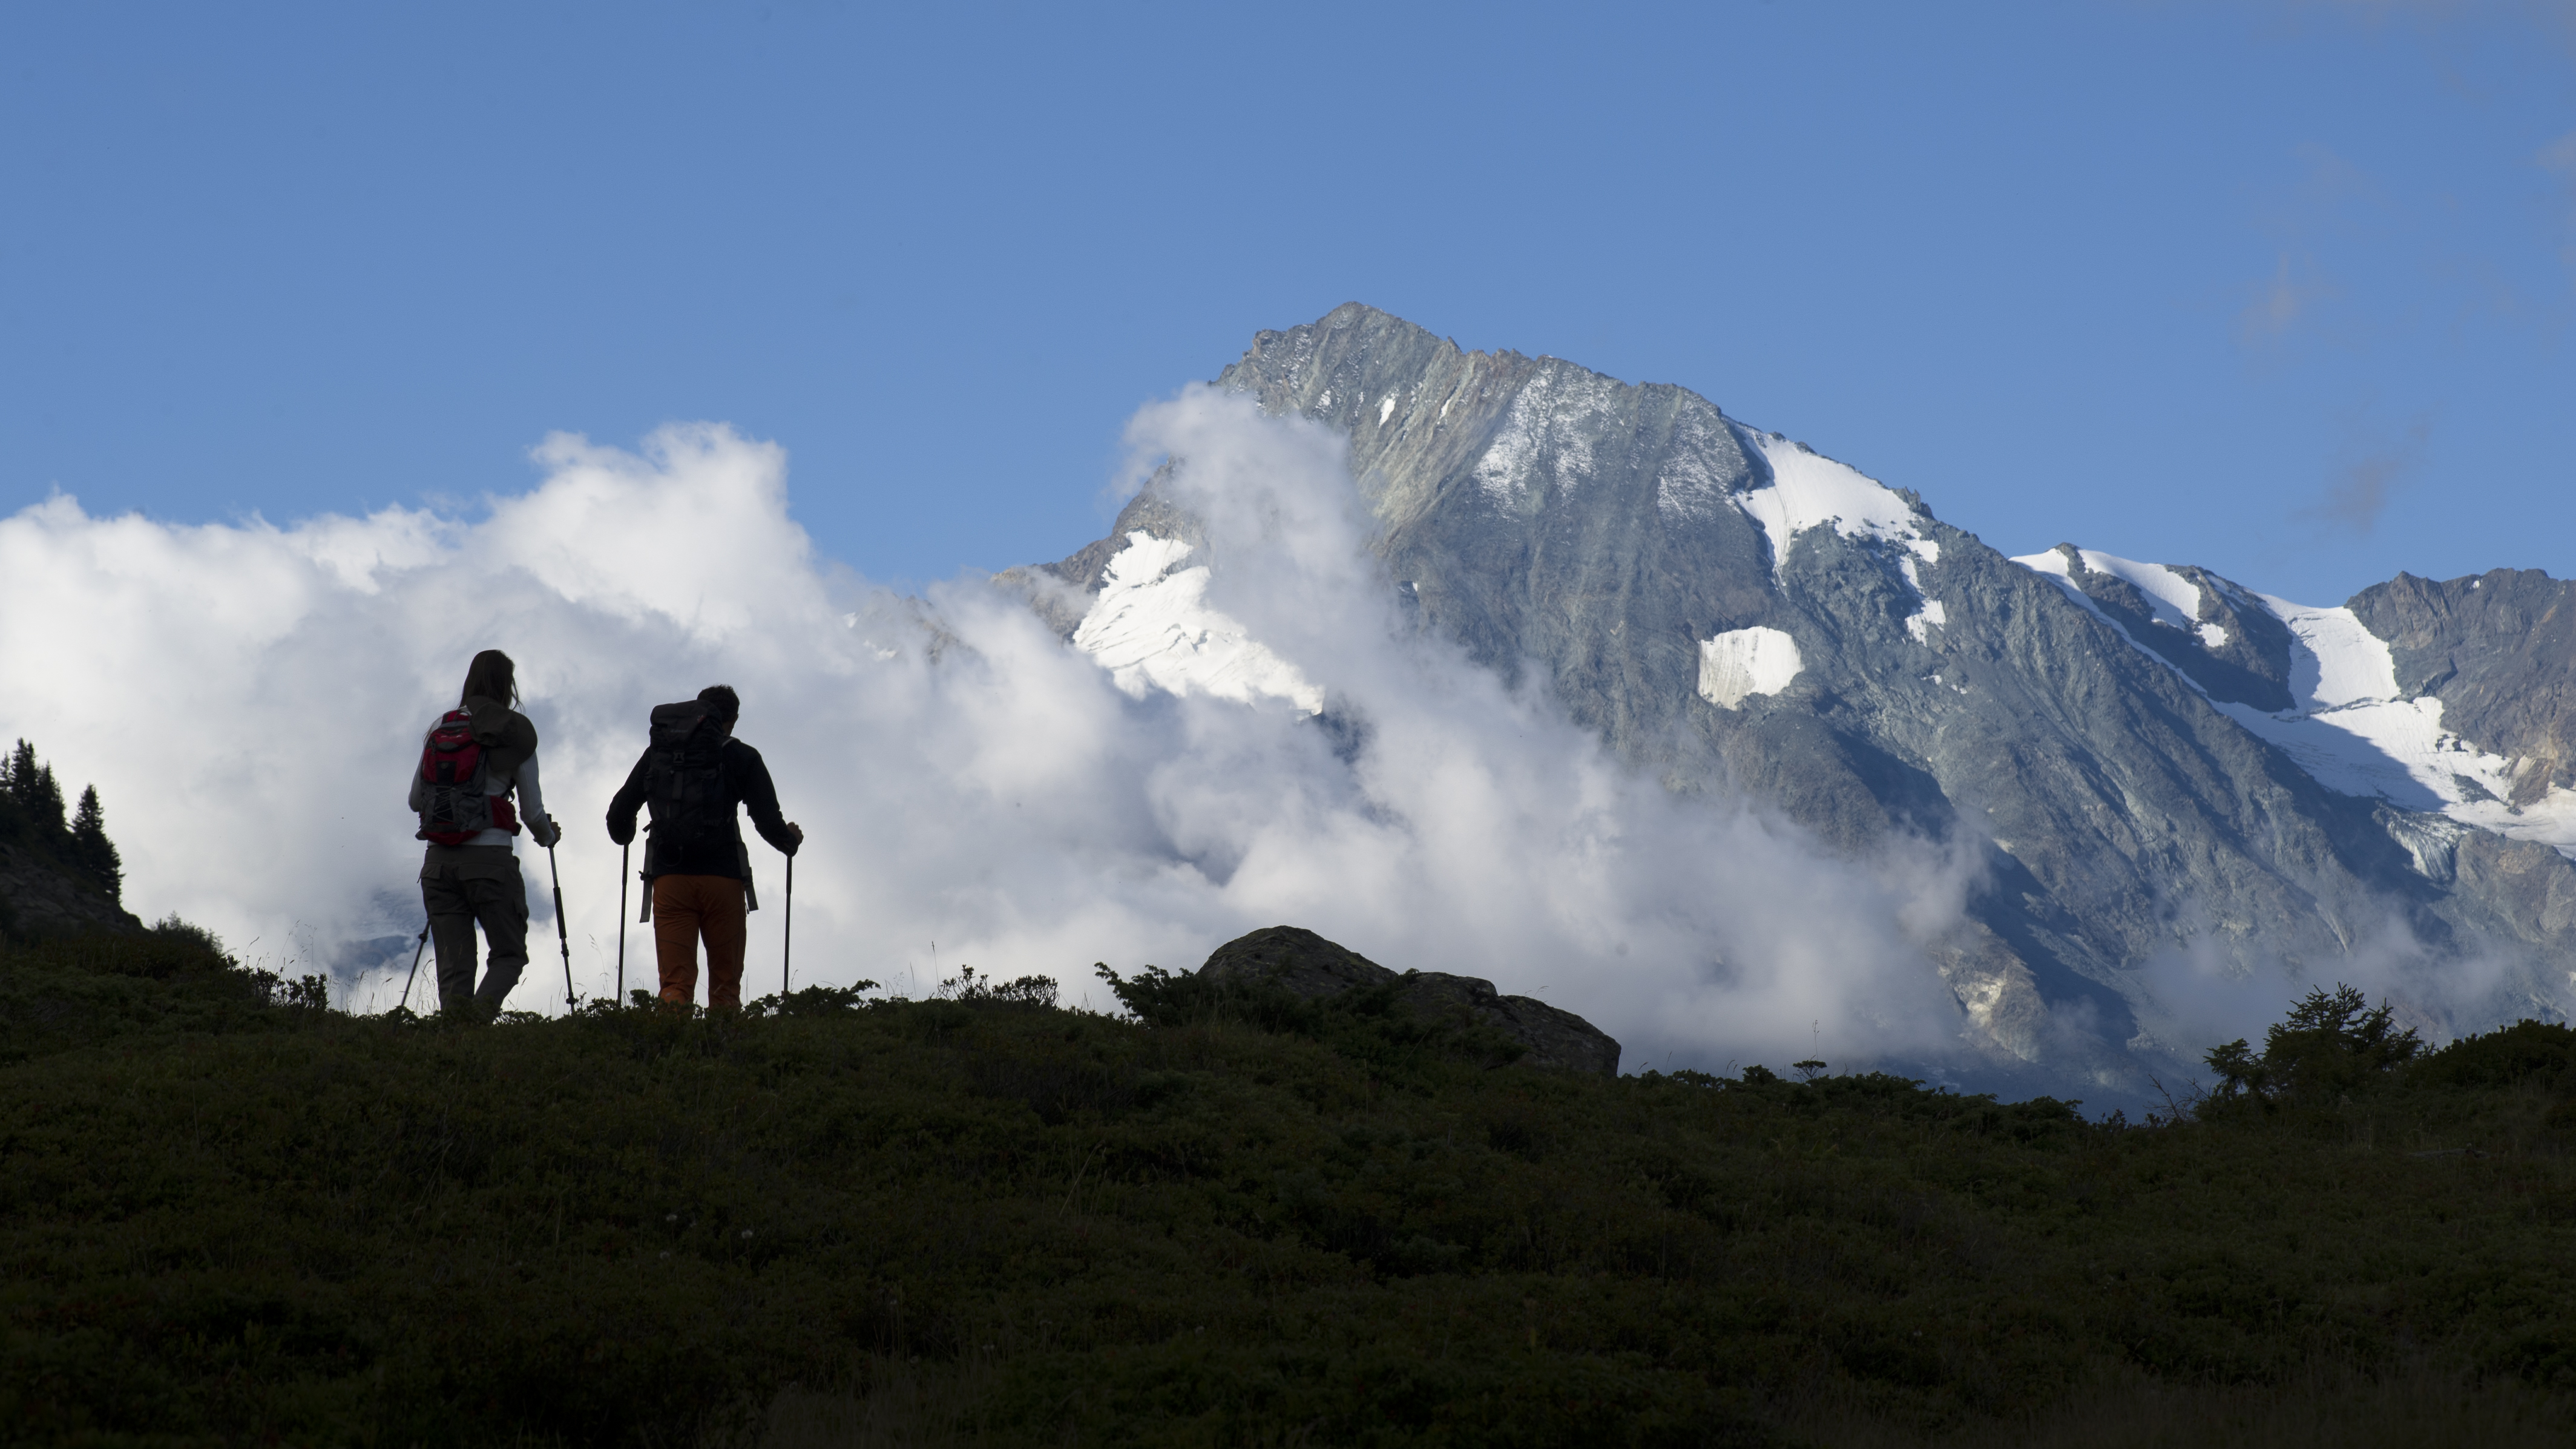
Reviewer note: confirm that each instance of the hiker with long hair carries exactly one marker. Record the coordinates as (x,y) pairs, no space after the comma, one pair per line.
(474,761)
(696,775)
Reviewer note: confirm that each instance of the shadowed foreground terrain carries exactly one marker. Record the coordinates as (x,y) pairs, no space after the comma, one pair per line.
(230,1216)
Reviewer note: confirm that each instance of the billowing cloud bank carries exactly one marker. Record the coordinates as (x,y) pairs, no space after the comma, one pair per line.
(249,699)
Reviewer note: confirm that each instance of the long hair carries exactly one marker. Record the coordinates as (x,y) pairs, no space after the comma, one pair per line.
(492,676)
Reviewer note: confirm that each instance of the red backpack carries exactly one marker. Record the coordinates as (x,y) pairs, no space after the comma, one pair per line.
(455,770)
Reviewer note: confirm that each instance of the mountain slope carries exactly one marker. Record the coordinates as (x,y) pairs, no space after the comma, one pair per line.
(2132,752)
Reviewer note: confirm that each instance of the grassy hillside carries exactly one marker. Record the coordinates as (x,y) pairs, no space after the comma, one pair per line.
(228,1216)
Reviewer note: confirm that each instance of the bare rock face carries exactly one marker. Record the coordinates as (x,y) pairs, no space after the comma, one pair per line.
(2499,650)
(1309,966)
(2249,663)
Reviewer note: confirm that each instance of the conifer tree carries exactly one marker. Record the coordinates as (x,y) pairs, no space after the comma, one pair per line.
(44,799)
(96,852)
(35,790)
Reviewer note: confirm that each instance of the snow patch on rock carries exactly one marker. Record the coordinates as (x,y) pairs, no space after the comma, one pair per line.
(2347,727)
(1809,490)
(2174,599)
(1151,628)
(1744,662)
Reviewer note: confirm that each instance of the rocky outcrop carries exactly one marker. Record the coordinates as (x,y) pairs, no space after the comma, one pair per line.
(1294,959)
(1307,965)
(37,899)
(2237,652)
(2499,651)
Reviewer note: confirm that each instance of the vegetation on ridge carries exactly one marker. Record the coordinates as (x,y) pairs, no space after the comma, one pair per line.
(31,818)
(228,1215)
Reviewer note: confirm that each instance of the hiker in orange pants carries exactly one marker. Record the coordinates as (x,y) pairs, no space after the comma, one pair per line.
(694,775)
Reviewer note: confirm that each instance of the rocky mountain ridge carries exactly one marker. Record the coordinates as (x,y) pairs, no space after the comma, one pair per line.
(2154,762)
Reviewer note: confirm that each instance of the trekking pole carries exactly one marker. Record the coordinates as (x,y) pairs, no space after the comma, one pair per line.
(787,936)
(561,934)
(405,1003)
(621,922)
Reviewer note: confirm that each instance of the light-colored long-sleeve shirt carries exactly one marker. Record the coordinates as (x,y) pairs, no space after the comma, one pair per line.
(510,768)
(532,800)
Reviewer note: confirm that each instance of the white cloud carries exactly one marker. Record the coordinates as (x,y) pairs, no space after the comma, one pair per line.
(249,698)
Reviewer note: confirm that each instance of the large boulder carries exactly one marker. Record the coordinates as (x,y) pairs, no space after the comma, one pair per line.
(1297,959)
(1307,965)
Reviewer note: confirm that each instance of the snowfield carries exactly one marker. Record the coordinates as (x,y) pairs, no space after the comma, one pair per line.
(1744,662)
(2174,599)
(1809,490)
(1152,627)
(2347,727)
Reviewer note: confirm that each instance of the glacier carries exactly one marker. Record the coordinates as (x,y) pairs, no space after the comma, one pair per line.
(2350,726)
(1151,627)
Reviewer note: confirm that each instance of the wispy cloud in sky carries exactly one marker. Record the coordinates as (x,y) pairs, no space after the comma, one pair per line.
(2559,158)
(2359,493)
(2324,201)
(2277,304)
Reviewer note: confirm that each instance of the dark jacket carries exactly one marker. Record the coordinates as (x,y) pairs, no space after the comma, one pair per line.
(745,781)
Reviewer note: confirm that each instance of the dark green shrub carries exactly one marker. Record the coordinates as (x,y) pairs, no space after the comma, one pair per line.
(2527,1051)
(2332,1043)
(973,990)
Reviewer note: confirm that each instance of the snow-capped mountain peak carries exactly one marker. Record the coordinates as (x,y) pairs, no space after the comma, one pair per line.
(2135,763)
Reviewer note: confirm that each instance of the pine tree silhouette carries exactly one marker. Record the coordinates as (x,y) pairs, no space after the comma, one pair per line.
(33,787)
(96,853)
(31,812)
(18,772)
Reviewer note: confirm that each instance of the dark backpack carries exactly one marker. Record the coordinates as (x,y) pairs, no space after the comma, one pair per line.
(455,771)
(686,779)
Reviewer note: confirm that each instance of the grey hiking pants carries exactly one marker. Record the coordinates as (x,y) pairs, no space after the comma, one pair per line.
(463,884)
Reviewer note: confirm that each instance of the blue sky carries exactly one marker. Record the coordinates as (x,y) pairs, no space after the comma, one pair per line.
(2282,289)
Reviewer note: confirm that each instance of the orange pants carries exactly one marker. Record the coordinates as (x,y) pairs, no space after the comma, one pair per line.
(686,907)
